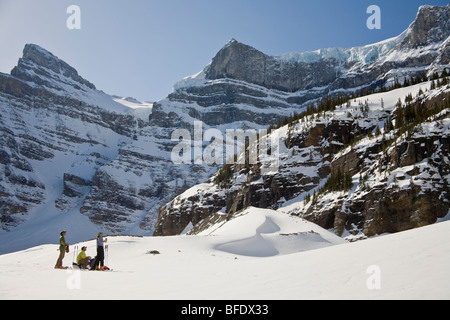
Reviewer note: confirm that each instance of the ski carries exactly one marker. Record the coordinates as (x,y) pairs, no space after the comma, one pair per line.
(81,269)
(104,270)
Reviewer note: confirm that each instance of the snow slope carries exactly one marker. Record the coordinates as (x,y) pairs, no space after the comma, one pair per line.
(140,110)
(406,265)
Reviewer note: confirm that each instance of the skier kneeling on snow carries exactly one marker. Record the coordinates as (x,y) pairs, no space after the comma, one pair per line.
(82,259)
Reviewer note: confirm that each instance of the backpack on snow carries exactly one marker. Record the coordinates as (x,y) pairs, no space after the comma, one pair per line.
(92,263)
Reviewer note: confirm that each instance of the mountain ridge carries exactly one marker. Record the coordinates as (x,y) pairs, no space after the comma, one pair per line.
(41,57)
(420,33)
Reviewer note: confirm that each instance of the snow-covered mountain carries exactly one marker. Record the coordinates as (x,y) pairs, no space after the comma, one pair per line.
(57,130)
(240,76)
(365,167)
(430,28)
(73,157)
(243,74)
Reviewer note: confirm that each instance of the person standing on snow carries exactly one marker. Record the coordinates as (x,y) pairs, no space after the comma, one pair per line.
(99,260)
(63,246)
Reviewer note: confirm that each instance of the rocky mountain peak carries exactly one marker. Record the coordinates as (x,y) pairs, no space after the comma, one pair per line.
(242,62)
(43,58)
(35,64)
(231,62)
(432,25)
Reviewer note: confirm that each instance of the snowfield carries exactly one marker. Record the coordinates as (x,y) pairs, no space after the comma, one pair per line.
(260,254)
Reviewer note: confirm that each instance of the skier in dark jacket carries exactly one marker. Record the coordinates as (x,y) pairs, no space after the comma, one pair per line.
(99,260)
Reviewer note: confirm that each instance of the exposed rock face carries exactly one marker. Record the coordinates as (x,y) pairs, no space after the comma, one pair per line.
(241,62)
(74,190)
(431,26)
(177,214)
(33,56)
(395,203)
(227,101)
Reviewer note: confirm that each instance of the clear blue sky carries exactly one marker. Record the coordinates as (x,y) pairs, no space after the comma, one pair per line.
(140,48)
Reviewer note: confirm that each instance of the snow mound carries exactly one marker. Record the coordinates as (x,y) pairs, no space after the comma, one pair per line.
(264,233)
(138,109)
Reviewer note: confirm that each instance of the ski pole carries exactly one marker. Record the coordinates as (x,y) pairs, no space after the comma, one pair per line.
(107,255)
(74,254)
